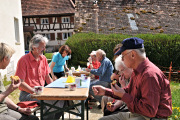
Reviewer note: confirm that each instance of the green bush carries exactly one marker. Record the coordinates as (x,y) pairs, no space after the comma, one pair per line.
(48,56)
(5,81)
(161,49)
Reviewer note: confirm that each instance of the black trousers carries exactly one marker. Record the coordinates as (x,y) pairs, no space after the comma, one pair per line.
(59,74)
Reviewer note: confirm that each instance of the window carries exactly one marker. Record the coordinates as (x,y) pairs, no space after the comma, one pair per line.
(65,19)
(66,35)
(47,35)
(44,21)
(16,29)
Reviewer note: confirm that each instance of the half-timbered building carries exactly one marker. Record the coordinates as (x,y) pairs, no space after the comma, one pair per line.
(51,18)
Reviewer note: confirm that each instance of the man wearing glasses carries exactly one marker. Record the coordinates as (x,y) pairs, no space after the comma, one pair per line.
(148,95)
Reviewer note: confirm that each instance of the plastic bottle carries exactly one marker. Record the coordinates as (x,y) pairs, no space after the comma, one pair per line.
(79,68)
(70,78)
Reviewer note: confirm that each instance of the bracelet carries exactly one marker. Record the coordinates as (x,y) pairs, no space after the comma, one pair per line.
(17,108)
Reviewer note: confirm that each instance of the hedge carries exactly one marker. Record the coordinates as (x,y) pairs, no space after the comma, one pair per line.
(161,49)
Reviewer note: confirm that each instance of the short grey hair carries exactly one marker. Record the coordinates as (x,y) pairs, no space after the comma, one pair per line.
(34,42)
(119,62)
(101,52)
(5,51)
(141,52)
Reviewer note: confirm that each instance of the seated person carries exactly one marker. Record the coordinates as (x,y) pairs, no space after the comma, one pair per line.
(104,72)
(123,78)
(35,71)
(148,94)
(94,64)
(8,109)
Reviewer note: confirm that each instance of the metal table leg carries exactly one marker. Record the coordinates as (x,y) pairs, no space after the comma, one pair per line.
(82,109)
(42,106)
(87,108)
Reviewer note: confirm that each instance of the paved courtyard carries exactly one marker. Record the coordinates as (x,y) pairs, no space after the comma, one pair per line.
(94,113)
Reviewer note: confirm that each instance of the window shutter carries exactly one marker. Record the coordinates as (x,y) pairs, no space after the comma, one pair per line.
(50,20)
(72,19)
(59,20)
(52,36)
(38,20)
(59,36)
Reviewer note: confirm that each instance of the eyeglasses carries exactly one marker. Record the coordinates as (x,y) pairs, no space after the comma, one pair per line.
(125,55)
(119,72)
(122,70)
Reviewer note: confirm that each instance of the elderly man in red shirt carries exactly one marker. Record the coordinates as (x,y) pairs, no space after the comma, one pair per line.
(148,95)
(33,70)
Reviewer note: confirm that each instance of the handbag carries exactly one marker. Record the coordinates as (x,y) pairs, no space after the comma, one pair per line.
(28,104)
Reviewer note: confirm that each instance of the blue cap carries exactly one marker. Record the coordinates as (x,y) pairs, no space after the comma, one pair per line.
(130,43)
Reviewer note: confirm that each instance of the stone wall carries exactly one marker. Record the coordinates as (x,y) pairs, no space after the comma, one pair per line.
(128,16)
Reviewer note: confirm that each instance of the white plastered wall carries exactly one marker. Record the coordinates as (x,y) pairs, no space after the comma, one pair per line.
(10,10)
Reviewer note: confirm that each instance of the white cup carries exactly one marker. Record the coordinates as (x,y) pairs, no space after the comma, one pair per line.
(72,86)
(83,76)
(73,69)
(88,64)
(78,81)
(83,69)
(38,89)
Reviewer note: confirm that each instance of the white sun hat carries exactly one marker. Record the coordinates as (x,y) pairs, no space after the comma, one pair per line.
(93,53)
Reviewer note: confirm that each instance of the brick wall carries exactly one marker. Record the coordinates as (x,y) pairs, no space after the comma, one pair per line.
(128,16)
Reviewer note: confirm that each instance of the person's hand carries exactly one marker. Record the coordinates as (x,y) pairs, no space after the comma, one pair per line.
(91,66)
(114,76)
(88,70)
(98,90)
(111,108)
(122,81)
(26,111)
(54,78)
(117,90)
(90,60)
(67,69)
(92,76)
(15,84)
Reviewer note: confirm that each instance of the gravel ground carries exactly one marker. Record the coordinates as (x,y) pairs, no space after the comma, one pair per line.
(94,113)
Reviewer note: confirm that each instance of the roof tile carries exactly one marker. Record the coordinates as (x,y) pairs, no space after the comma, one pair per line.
(46,7)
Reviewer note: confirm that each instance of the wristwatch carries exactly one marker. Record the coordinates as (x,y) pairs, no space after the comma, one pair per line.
(17,108)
